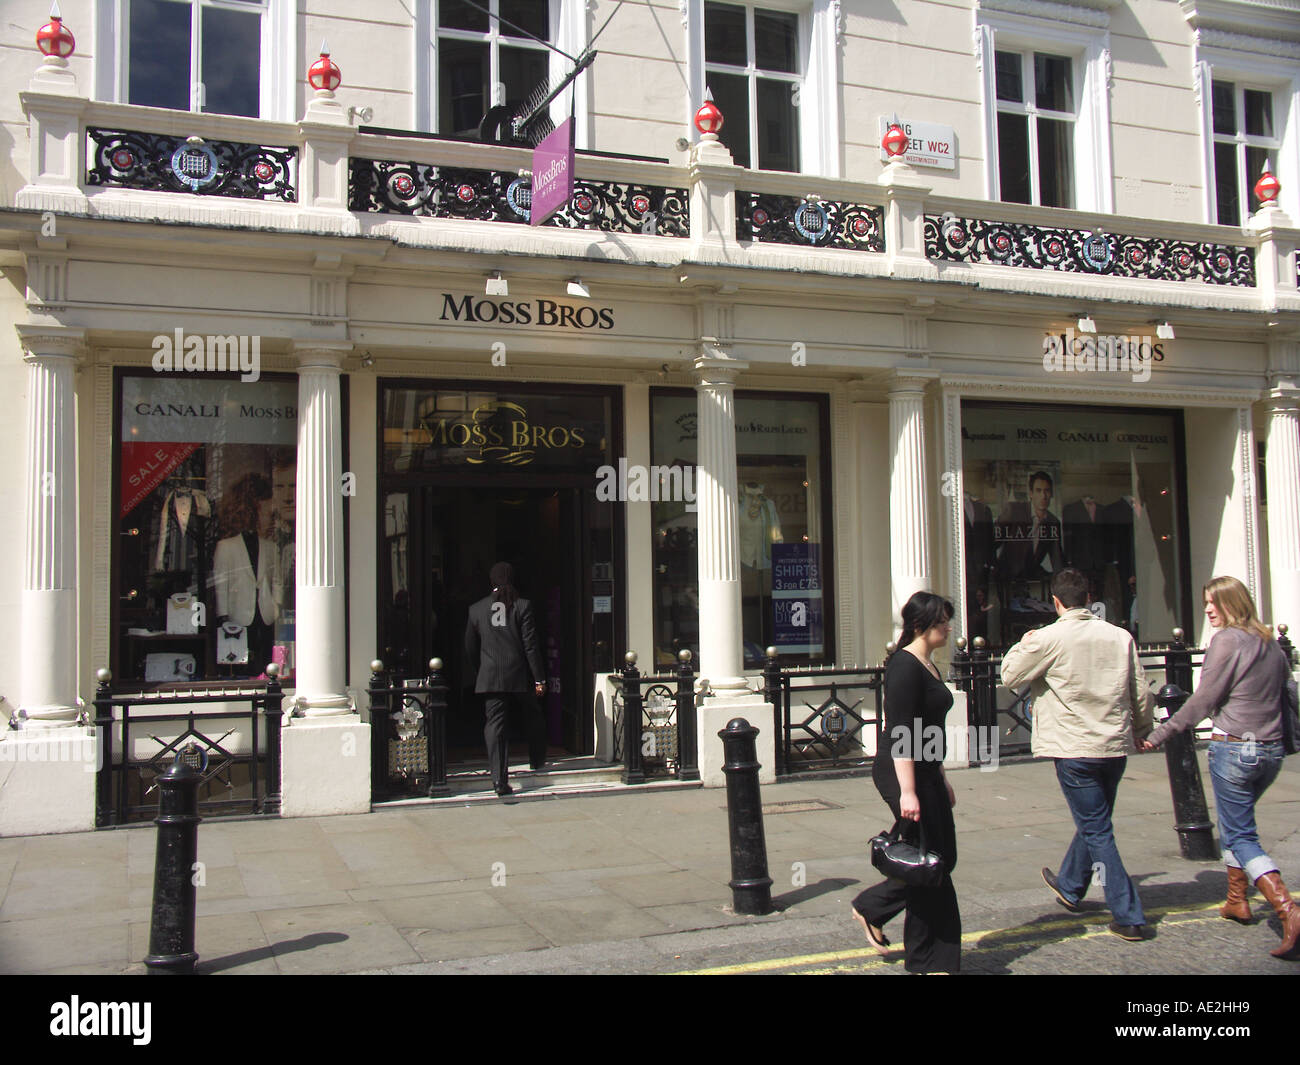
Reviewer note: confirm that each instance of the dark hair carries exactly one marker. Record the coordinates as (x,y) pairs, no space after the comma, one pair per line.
(1071,588)
(1040,475)
(240,503)
(922,612)
(502,576)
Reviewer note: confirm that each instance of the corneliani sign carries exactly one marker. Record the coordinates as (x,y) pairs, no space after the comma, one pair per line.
(525,312)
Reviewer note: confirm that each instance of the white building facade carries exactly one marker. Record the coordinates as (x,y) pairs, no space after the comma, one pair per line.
(289,368)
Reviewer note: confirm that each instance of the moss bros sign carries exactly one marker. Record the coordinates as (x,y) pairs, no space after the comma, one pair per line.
(525,312)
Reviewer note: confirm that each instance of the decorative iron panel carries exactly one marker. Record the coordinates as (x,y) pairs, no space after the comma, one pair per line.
(979,240)
(660,751)
(812,222)
(429,191)
(159,163)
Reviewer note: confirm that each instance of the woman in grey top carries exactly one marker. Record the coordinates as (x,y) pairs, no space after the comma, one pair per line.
(1243,683)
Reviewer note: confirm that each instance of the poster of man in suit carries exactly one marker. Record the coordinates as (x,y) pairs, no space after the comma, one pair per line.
(1027,533)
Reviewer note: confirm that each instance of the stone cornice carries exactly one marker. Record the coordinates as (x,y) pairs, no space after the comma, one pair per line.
(42,340)
(1095,13)
(1245,25)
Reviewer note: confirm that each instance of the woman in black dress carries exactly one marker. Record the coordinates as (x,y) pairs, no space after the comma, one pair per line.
(908,773)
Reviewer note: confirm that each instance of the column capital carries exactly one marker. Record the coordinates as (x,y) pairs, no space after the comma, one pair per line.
(321,355)
(715,368)
(912,382)
(1283,399)
(40,341)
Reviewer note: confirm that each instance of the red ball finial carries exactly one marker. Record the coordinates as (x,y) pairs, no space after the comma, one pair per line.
(54,38)
(1267,188)
(324,73)
(894,141)
(708,119)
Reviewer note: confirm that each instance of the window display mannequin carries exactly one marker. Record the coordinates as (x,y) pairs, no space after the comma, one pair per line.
(246,576)
(182,550)
(758,528)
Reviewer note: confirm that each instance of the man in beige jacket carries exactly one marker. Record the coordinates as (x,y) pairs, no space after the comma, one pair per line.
(1091,706)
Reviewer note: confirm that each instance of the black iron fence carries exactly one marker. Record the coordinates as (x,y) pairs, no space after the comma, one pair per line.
(822,716)
(242,771)
(654,722)
(408,734)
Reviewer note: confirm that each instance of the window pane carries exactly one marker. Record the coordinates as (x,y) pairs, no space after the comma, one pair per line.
(1227,203)
(530,15)
(1223,108)
(160,55)
(457,15)
(724,34)
(778,126)
(1008,77)
(1259,113)
(1055,170)
(1013,158)
(231,62)
(776,41)
(522,70)
(462,85)
(731,94)
(1053,84)
(1256,158)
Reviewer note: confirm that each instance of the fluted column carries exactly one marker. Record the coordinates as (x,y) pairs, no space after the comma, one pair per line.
(1282,481)
(319,602)
(717,542)
(48,690)
(909,528)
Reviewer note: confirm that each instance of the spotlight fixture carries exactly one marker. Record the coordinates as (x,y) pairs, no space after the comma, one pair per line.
(367,360)
(1086,324)
(682,144)
(577,288)
(497,285)
(1164,331)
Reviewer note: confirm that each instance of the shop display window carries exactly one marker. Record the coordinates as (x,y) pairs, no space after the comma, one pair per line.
(204,576)
(1050,487)
(782,525)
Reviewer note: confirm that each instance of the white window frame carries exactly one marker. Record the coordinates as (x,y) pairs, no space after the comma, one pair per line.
(1087,43)
(1281,77)
(277,96)
(1030,109)
(1241,140)
(818,60)
(569,30)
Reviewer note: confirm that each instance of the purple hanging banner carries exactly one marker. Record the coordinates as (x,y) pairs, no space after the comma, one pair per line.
(552,173)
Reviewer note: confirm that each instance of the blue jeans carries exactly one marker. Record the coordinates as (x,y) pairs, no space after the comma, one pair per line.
(1240,773)
(1089,786)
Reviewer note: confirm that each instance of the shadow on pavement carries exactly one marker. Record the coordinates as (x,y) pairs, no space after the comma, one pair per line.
(810,891)
(288,946)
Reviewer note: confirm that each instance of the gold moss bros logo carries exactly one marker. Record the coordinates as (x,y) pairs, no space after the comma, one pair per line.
(499,433)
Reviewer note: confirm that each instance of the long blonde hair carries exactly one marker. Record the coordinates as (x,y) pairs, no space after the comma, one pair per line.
(1232,600)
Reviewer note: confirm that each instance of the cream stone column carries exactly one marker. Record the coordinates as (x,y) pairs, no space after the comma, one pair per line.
(326,751)
(909,527)
(47,761)
(718,544)
(319,595)
(722,659)
(48,690)
(1282,477)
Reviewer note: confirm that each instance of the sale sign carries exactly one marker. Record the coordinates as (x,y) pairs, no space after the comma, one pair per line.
(552,173)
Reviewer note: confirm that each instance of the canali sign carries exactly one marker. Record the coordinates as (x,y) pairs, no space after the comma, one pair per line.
(927,144)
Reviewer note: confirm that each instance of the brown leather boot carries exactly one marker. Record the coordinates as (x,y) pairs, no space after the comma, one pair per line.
(1236,908)
(1271,887)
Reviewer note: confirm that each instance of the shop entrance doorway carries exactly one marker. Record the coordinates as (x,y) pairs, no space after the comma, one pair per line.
(441,542)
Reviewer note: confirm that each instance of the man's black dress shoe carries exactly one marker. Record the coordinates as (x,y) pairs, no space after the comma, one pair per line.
(1050,881)
(503,790)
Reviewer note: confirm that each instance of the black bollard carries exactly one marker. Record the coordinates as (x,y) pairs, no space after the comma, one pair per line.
(688,767)
(1191,818)
(171,928)
(751,887)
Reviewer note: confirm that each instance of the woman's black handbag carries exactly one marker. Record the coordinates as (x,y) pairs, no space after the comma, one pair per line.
(1290,722)
(901,859)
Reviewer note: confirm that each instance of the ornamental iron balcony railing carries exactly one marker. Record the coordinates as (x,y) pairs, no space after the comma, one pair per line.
(431,191)
(811,221)
(160,163)
(979,240)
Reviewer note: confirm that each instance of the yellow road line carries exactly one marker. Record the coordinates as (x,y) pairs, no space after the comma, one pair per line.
(987,939)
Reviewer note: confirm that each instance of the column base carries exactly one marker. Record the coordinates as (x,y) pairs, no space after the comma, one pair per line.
(41,718)
(329,704)
(325,767)
(47,781)
(712,715)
